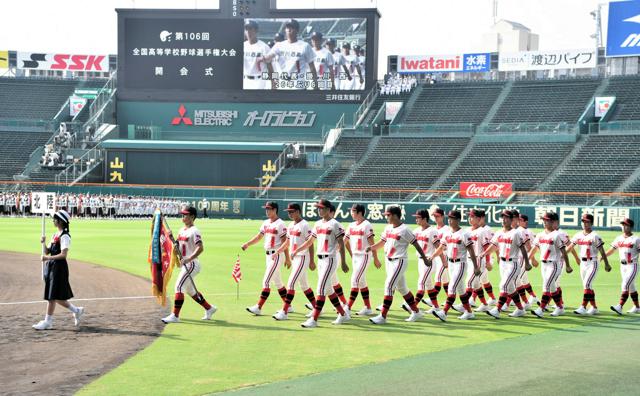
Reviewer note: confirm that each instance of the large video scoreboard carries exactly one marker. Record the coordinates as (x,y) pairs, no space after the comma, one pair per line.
(247,51)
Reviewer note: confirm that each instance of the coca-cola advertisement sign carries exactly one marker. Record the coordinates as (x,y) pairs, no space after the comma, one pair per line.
(483,190)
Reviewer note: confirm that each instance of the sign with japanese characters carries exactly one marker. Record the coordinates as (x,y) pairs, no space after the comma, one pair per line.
(444,63)
(183,53)
(547,60)
(43,203)
(116,171)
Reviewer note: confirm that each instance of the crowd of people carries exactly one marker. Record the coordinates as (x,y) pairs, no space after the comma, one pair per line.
(396,84)
(54,155)
(93,205)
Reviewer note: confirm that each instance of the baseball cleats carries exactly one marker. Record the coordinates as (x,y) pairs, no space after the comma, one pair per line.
(342,318)
(414,316)
(379,307)
(458,308)
(209,312)
(538,312)
(280,315)
(592,311)
(255,310)
(290,310)
(580,311)
(440,314)
(77,315)
(527,306)
(495,312)
(617,309)
(346,308)
(365,312)
(43,325)
(491,301)
(308,306)
(309,324)
(533,300)
(558,311)
(634,310)
(505,308)
(467,316)
(406,307)
(472,303)
(483,308)
(379,319)
(427,302)
(518,313)
(171,318)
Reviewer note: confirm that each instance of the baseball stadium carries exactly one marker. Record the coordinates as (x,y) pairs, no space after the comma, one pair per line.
(271,197)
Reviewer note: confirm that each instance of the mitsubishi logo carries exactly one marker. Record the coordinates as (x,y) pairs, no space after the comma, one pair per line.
(177,120)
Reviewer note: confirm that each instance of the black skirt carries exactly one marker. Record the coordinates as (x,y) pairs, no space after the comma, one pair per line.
(56,286)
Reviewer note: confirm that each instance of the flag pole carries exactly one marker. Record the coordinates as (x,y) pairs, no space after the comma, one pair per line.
(238,286)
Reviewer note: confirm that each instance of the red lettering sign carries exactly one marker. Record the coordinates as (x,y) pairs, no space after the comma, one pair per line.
(482,190)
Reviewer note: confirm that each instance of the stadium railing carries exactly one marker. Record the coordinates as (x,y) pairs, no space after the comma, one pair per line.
(24,125)
(615,127)
(528,127)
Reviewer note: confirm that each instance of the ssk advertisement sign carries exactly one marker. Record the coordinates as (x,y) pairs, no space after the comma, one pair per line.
(63,62)
(483,190)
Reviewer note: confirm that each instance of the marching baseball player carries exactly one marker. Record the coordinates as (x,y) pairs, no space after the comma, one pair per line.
(337,287)
(340,70)
(509,243)
(628,246)
(324,63)
(297,60)
(551,247)
(274,233)
(458,245)
(524,279)
(481,238)
(440,266)
(484,277)
(589,243)
(360,236)
(427,237)
(297,233)
(515,224)
(353,66)
(565,239)
(362,63)
(396,239)
(191,247)
(253,50)
(329,235)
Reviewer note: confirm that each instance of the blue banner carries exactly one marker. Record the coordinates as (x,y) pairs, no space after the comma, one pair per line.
(623,31)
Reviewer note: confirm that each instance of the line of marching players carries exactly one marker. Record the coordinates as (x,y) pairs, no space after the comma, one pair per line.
(451,260)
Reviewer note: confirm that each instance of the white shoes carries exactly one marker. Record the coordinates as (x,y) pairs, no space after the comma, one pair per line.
(580,311)
(209,312)
(517,313)
(592,311)
(346,308)
(309,324)
(467,315)
(308,306)
(440,314)
(255,310)
(617,309)
(472,303)
(342,318)
(527,306)
(280,315)
(171,318)
(365,312)
(634,310)
(309,314)
(458,308)
(290,310)
(483,308)
(379,307)
(533,300)
(414,316)
(495,312)
(43,325)
(432,310)
(491,301)
(557,312)
(538,312)
(428,302)
(77,316)
(406,307)
(505,307)
(379,319)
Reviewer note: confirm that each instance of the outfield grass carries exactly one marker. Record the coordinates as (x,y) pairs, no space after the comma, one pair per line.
(237,349)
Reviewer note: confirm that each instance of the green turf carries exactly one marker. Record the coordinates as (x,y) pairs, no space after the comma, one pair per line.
(237,350)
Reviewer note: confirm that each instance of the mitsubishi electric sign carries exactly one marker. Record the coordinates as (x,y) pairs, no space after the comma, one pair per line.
(623,31)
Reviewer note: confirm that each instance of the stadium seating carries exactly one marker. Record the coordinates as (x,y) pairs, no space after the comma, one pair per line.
(546,101)
(453,103)
(379,102)
(349,150)
(15,149)
(602,164)
(404,163)
(344,26)
(626,90)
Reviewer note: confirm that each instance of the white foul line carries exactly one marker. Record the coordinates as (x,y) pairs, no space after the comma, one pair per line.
(78,299)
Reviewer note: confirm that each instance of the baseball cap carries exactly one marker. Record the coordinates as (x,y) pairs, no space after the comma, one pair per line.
(271,205)
(278,37)
(63,215)
(437,212)
(316,35)
(422,213)
(454,214)
(292,207)
(393,210)
(293,24)
(515,213)
(324,203)
(627,222)
(346,44)
(189,210)
(548,216)
(359,208)
(476,213)
(524,217)
(331,41)
(356,47)
(506,213)
(587,217)
(251,24)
